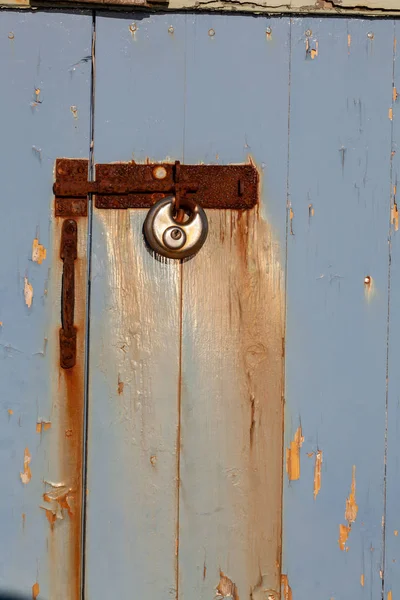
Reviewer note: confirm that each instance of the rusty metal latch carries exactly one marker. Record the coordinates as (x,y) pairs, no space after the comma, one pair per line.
(130,185)
(68,254)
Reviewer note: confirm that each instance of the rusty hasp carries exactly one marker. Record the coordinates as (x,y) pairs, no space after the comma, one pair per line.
(131,185)
(68,253)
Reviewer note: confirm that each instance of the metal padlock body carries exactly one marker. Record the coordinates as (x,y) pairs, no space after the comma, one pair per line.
(161,230)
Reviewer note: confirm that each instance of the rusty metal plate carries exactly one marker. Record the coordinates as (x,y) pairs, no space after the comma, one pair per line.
(130,185)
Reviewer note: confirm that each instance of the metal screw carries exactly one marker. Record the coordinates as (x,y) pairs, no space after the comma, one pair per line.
(176,234)
(11,35)
(133,27)
(370,35)
(367,280)
(268,31)
(159,172)
(170,29)
(308,33)
(211,32)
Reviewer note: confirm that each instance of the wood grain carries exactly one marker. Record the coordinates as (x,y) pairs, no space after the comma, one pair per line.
(232,409)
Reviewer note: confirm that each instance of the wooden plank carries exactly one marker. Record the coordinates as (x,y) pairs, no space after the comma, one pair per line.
(340,131)
(46,74)
(135,322)
(350,8)
(391,586)
(233,306)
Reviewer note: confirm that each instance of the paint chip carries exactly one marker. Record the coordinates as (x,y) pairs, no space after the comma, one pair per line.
(28,292)
(286,589)
(395,94)
(395,212)
(226,588)
(74,111)
(26,475)
(38,252)
(390,114)
(35,590)
(362,579)
(59,499)
(350,513)
(389,596)
(291,215)
(293,455)
(42,425)
(317,473)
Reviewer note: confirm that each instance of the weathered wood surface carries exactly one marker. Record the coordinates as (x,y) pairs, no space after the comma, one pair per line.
(355,8)
(183,385)
(337,300)
(233,308)
(41,406)
(135,324)
(392,459)
(186,361)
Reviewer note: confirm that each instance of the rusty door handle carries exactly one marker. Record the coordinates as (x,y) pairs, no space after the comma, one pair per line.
(68,254)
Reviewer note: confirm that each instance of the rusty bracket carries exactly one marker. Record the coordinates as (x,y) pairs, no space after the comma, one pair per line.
(68,253)
(132,185)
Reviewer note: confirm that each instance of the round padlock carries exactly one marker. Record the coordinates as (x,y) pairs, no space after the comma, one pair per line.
(175,238)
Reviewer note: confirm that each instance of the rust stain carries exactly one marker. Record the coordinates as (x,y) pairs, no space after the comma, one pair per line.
(390,114)
(26,476)
(28,292)
(286,589)
(310,211)
(389,596)
(120,387)
(74,112)
(226,588)
(23,520)
(362,579)
(317,473)
(350,513)
(153,460)
(10,411)
(63,501)
(38,252)
(50,516)
(204,570)
(35,590)
(395,94)
(254,280)
(396,533)
(348,41)
(293,455)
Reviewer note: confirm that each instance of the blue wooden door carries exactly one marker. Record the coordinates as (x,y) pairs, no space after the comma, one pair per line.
(230,427)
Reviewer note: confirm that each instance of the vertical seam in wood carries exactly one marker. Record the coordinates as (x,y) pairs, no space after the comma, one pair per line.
(285,290)
(388,325)
(178,435)
(91,176)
